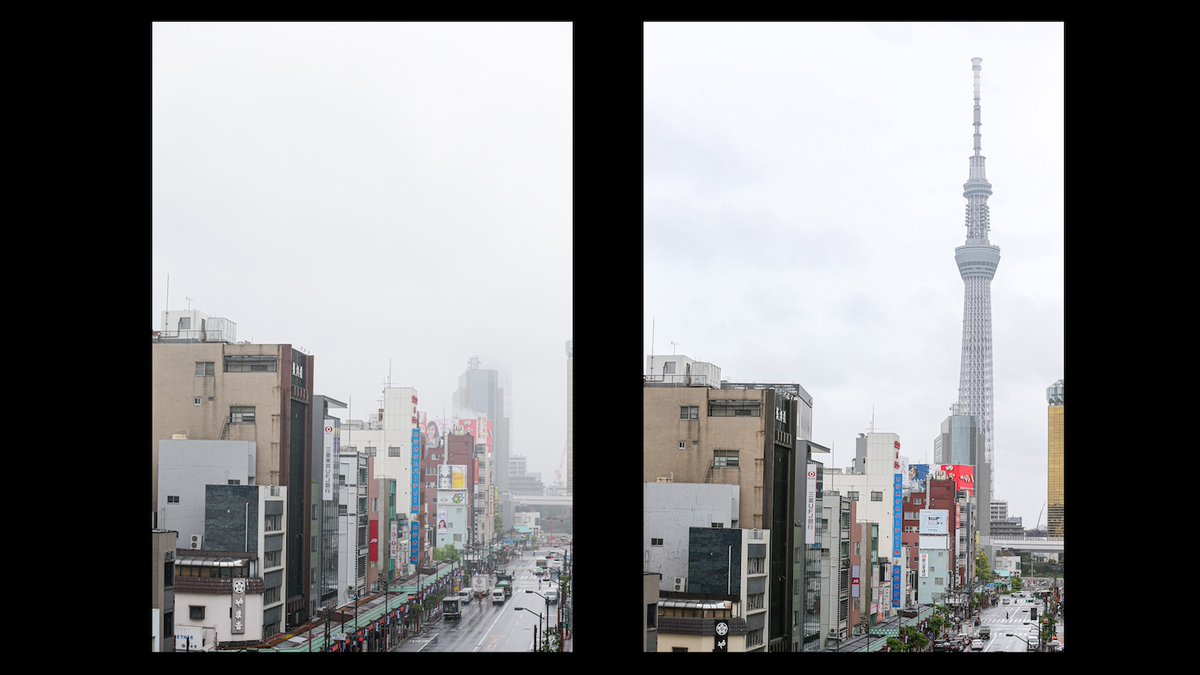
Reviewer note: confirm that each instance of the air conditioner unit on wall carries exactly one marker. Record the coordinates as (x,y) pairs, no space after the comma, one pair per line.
(197,541)
(680,583)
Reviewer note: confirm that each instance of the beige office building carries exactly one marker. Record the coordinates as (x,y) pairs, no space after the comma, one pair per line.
(1054,467)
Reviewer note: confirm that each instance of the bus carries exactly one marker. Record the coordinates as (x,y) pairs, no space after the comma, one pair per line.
(452,609)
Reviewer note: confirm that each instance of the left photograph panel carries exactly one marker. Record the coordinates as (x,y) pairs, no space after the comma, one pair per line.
(362,350)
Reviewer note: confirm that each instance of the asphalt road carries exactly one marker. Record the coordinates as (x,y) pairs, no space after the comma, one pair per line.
(485,627)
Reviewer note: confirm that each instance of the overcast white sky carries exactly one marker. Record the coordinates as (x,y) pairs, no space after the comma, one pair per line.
(803,199)
(371,192)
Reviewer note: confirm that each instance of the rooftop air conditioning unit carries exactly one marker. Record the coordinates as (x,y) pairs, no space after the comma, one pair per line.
(197,541)
(680,583)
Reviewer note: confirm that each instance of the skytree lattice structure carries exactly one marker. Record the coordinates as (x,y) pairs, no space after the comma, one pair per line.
(977,260)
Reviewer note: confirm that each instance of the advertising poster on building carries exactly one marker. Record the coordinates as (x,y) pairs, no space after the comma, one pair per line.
(452,498)
(917,475)
(903,471)
(433,435)
(458,476)
(443,476)
(468,427)
(934,521)
(962,475)
(443,516)
(327,474)
(810,505)
(924,565)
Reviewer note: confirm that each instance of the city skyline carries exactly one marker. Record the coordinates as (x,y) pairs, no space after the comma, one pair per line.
(803,200)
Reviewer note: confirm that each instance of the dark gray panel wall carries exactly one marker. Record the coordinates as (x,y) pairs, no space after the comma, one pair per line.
(228,509)
(709,569)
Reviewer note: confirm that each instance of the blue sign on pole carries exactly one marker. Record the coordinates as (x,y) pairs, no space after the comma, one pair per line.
(897,524)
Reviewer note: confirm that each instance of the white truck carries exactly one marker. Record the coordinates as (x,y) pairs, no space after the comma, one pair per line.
(480,585)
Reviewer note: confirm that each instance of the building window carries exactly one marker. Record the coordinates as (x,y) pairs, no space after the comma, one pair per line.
(458,537)
(234,481)
(918,501)
(876,495)
(172,499)
(652,616)
(853,495)
(196,612)
(754,638)
(754,601)
(725,459)
(938,581)
(273,523)
(204,368)
(393,451)
(342,511)
(755,565)
(734,408)
(271,559)
(655,542)
(271,595)
(169,574)
(251,364)
(718,525)
(196,401)
(669,368)
(375,504)
(683,445)
(185,323)
(679,649)
(241,414)
(689,412)
(169,624)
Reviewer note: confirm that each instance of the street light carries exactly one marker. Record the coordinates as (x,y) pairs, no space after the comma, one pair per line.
(539,616)
(545,633)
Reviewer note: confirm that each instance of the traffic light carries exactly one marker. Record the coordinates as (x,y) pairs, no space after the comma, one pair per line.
(1033,613)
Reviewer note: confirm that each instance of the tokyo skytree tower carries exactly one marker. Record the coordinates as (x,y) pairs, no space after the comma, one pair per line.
(977,260)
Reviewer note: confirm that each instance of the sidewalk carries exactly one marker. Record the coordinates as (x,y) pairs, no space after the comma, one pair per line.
(370,611)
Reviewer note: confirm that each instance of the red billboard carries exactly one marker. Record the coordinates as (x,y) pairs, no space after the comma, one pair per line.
(373,533)
(963,476)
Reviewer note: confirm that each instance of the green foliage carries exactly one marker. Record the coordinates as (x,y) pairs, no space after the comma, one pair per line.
(894,645)
(447,552)
(1016,583)
(983,567)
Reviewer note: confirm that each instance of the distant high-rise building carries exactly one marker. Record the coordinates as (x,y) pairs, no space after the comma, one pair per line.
(999,509)
(1054,484)
(570,417)
(977,260)
(483,392)
(963,442)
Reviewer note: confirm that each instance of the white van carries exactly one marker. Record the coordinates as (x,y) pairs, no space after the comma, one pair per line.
(465,596)
(497,596)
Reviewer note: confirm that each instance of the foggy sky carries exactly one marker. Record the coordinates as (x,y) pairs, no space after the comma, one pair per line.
(803,199)
(375,192)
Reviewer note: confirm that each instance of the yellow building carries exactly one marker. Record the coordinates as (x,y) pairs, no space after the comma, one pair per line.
(1054,483)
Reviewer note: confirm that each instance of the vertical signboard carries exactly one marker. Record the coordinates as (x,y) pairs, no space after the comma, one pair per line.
(810,506)
(443,481)
(721,635)
(458,476)
(237,616)
(897,513)
(415,542)
(442,516)
(327,476)
(924,565)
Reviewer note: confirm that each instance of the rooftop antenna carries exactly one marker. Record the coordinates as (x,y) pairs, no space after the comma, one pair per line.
(189,302)
(167,304)
(389,381)
(651,347)
(673,345)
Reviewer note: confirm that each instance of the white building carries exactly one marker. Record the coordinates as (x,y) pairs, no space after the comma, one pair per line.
(871,483)
(388,437)
(679,369)
(352,490)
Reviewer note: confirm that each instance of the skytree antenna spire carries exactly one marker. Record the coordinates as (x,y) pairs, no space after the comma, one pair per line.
(977,260)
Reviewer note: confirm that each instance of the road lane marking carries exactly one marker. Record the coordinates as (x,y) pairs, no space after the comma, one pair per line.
(489,630)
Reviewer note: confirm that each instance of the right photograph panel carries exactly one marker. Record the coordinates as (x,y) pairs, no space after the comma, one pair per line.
(853,343)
